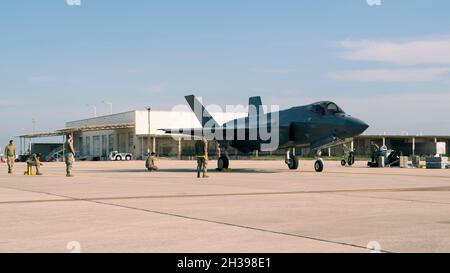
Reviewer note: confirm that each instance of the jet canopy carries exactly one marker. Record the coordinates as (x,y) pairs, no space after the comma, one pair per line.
(325,108)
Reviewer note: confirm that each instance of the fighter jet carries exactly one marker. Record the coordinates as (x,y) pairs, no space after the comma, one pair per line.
(318,126)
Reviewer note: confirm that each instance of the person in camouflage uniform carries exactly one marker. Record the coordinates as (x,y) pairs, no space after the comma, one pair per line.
(10,153)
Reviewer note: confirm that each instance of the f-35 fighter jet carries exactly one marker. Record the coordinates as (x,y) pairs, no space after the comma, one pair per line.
(318,126)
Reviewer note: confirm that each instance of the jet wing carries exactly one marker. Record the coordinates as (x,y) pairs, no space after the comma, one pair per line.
(183,131)
(216,133)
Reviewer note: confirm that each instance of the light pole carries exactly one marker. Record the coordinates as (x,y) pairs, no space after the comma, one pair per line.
(93,107)
(149,109)
(110,106)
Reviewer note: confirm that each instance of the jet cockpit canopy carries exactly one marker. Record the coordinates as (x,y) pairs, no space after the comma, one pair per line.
(325,108)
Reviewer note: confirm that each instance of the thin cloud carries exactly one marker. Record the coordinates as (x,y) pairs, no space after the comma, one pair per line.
(391,75)
(435,51)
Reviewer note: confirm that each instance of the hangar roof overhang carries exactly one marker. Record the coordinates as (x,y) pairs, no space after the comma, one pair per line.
(405,136)
(65,131)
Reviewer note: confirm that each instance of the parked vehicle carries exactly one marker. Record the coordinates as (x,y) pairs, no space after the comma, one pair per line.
(116,156)
(22,158)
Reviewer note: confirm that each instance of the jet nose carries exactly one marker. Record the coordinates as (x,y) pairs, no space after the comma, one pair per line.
(356,126)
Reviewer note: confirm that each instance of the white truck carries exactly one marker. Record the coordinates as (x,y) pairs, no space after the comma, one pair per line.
(116,156)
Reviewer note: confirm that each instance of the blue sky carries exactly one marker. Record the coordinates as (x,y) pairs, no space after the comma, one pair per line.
(386,64)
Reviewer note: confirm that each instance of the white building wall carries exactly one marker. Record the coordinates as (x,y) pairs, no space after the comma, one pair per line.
(174,120)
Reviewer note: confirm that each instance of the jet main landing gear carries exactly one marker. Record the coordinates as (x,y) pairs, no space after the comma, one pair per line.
(223,163)
(291,160)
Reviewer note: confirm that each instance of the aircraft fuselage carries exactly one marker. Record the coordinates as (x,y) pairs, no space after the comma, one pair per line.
(315,126)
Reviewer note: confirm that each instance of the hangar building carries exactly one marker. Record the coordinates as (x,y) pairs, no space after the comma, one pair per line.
(129,132)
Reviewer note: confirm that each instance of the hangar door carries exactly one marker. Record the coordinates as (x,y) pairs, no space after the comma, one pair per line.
(104,146)
(97,146)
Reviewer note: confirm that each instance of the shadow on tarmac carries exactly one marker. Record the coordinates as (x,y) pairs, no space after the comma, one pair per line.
(180,171)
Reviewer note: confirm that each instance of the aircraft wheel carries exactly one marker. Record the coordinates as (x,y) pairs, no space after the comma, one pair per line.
(293,163)
(223,163)
(318,166)
(343,162)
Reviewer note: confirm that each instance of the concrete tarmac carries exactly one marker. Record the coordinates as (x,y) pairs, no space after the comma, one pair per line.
(260,206)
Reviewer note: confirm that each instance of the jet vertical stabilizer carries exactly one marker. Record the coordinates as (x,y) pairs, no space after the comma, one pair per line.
(200,112)
(255,106)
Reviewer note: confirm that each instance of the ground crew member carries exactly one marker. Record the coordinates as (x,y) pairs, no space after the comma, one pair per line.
(150,163)
(349,155)
(69,155)
(201,153)
(10,153)
(35,160)
(374,149)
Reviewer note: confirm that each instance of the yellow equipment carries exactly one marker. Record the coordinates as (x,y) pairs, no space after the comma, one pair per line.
(29,170)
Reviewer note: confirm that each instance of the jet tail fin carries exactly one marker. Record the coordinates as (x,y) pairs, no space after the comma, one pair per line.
(200,112)
(255,106)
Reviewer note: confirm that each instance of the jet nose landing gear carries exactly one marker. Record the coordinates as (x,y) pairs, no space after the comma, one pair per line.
(348,159)
(318,165)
